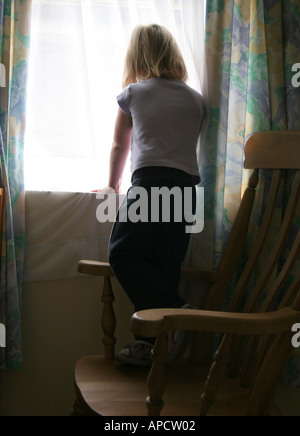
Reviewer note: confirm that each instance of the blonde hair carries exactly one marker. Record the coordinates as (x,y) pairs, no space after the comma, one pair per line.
(153,52)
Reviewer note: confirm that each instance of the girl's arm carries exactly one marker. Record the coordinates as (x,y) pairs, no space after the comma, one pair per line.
(120,149)
(119,152)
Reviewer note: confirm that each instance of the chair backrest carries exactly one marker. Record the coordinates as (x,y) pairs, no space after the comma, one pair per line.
(269,277)
(1,214)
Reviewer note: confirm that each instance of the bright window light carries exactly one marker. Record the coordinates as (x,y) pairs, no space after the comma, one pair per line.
(75,73)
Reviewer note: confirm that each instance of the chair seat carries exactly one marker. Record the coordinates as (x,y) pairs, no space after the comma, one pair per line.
(115,389)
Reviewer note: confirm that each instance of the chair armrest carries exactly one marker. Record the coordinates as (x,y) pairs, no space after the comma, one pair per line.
(95,268)
(152,323)
(103,269)
(201,275)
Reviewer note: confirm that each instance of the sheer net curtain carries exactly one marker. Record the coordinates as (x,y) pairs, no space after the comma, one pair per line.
(76,65)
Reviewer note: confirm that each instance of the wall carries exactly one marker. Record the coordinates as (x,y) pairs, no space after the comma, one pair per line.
(61,322)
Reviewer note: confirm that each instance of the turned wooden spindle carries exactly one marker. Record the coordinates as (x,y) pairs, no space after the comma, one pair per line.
(157,381)
(216,374)
(108,320)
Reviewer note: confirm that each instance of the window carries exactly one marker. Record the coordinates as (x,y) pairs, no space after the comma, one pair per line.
(75,74)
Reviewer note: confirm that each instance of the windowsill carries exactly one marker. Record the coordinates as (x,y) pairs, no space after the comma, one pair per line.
(66,192)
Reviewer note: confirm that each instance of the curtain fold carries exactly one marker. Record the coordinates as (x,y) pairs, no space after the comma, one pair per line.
(15,24)
(251,48)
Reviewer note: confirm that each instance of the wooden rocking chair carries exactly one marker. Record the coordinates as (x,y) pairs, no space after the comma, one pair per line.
(255,334)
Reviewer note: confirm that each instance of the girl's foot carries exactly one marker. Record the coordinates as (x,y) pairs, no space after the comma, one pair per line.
(138,354)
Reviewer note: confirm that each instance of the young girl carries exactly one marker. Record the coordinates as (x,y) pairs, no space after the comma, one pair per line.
(160,119)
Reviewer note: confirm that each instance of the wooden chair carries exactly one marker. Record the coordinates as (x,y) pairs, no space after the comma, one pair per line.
(254,334)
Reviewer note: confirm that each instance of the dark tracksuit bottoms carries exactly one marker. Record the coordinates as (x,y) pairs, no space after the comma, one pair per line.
(146,257)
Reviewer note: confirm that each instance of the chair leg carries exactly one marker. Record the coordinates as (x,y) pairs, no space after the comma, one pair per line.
(108,320)
(80,408)
(157,382)
(216,374)
(264,389)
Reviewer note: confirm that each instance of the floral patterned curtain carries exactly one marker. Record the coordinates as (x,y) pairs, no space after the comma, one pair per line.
(251,48)
(14,46)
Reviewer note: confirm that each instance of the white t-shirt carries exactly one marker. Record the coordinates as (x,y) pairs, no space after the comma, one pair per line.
(167,116)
